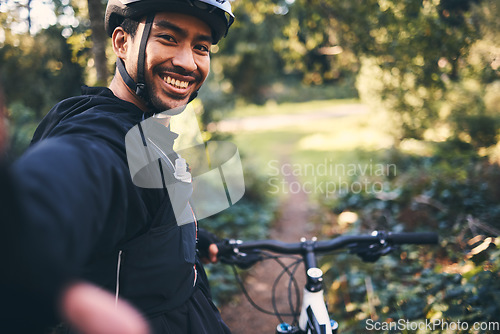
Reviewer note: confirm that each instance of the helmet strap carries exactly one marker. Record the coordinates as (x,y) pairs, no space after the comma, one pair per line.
(140,87)
(141,81)
(125,76)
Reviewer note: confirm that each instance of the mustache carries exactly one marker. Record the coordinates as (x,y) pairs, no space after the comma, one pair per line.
(178,70)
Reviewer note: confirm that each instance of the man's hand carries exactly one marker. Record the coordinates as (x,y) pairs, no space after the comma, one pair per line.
(91,310)
(213,250)
(207,247)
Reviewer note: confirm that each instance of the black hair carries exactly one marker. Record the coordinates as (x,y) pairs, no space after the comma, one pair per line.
(130,26)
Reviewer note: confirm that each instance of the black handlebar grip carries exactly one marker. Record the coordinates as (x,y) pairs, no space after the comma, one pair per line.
(420,238)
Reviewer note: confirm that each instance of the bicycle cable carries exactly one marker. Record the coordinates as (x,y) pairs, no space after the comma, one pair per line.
(297,293)
(268,256)
(292,280)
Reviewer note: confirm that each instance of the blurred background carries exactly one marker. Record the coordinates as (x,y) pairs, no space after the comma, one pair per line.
(373,114)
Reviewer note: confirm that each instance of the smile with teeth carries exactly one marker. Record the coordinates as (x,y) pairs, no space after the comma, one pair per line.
(175,83)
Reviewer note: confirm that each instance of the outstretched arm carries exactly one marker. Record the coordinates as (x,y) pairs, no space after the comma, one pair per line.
(31,290)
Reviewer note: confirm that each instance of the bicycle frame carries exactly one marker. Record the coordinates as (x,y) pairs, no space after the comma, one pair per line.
(314,316)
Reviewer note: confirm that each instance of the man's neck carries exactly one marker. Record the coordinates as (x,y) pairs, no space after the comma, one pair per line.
(123,92)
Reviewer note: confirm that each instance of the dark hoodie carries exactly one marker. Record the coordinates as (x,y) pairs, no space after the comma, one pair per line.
(79,212)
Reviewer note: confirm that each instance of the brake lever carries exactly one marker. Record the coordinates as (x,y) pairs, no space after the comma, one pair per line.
(227,247)
(229,254)
(371,253)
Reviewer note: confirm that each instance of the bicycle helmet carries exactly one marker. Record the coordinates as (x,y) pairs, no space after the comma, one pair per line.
(216,14)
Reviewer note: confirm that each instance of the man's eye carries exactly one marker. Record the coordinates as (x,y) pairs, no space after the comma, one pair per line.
(202,48)
(168,38)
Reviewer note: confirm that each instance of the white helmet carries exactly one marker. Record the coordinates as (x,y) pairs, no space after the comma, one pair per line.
(216,13)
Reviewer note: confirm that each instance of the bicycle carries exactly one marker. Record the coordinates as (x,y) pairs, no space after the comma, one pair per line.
(313,317)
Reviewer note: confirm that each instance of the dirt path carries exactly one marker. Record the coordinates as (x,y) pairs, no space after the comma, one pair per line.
(292,224)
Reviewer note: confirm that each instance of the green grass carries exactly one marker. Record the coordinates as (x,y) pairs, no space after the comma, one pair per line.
(273,108)
(318,151)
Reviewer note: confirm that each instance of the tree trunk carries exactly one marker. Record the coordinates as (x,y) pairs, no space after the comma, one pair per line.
(3,127)
(99,40)
(28,6)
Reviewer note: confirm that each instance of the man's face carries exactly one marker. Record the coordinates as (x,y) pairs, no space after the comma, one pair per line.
(177,58)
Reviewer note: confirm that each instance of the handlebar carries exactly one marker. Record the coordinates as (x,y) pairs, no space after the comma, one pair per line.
(369,247)
(377,237)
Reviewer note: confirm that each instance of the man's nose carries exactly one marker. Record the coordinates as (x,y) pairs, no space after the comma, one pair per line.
(184,58)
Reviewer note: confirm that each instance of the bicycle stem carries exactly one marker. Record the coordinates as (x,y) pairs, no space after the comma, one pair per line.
(308,253)
(313,273)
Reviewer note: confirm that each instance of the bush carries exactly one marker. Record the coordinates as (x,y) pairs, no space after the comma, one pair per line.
(455,193)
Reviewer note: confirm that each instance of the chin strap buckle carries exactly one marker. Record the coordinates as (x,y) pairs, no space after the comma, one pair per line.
(139,89)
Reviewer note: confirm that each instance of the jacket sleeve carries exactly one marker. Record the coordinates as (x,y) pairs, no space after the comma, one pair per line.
(58,199)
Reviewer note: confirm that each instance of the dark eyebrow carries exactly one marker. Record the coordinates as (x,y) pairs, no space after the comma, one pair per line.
(168,25)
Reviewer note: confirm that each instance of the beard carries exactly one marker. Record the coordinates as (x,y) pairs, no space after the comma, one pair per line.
(172,104)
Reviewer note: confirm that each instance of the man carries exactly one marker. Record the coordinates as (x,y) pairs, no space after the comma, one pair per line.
(82,215)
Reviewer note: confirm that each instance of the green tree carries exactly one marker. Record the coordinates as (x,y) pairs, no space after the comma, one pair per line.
(247,58)
(416,55)
(411,57)
(36,71)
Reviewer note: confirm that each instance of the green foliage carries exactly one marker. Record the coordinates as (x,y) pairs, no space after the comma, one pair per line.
(40,67)
(451,192)
(310,45)
(415,58)
(247,58)
(419,69)
(473,117)
(22,127)
(38,70)
(270,44)
(35,73)
(413,52)
(248,219)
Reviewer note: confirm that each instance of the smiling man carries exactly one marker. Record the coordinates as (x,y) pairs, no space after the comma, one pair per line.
(81,217)
(177,62)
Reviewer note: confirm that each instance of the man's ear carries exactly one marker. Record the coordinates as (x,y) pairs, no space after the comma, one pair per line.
(120,42)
